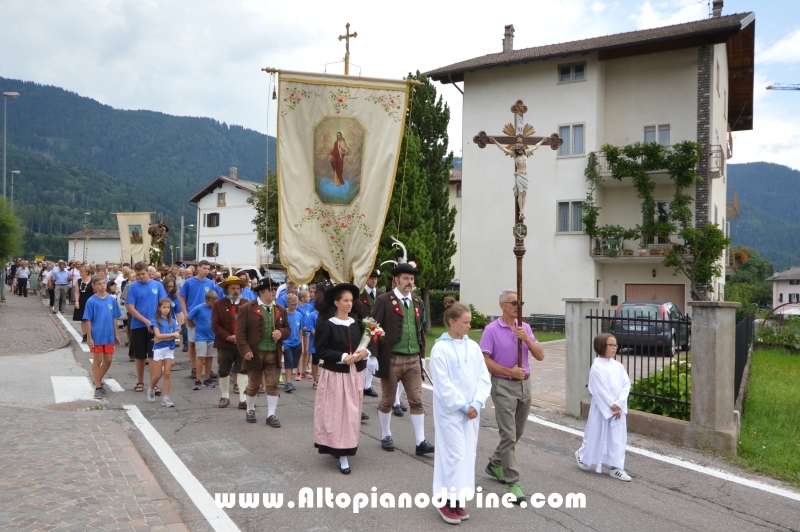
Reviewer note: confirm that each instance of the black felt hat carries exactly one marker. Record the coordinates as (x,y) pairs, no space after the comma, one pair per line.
(330,293)
(375,273)
(404,268)
(266,283)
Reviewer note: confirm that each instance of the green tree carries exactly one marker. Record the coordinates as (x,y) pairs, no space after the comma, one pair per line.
(754,273)
(265,201)
(425,221)
(10,232)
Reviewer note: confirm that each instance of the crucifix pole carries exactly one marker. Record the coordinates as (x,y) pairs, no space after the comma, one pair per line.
(346,38)
(518,136)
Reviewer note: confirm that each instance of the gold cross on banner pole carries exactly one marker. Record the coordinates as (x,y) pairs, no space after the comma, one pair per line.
(346,38)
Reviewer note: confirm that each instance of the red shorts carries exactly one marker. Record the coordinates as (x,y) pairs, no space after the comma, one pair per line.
(107,349)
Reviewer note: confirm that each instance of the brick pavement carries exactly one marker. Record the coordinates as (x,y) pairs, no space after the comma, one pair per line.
(76,471)
(28,328)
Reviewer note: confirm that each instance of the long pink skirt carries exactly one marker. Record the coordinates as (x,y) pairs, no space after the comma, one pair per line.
(337,412)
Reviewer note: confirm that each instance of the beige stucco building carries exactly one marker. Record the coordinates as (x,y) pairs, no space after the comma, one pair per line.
(690,81)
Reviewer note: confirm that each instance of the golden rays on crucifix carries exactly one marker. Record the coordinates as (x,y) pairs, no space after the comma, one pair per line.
(511,131)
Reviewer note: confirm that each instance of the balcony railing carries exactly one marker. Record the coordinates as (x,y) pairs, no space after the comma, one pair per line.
(732,203)
(641,247)
(716,164)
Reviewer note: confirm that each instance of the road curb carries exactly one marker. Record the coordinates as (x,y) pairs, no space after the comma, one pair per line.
(162,503)
(67,339)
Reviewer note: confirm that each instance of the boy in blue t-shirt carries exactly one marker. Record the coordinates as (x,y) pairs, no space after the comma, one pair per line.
(204,340)
(292,346)
(305,308)
(141,302)
(101,315)
(311,329)
(192,294)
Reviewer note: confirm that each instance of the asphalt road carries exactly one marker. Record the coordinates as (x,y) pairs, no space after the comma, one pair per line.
(228,455)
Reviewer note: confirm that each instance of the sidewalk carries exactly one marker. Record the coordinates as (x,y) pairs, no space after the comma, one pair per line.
(65,469)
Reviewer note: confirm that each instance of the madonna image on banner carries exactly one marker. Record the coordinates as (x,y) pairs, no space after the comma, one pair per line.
(338,154)
(135,232)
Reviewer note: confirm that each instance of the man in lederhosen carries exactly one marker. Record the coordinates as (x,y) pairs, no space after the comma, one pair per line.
(367,297)
(400,355)
(224,316)
(260,327)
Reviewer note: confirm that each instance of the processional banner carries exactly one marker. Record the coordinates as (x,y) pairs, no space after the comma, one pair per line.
(338,144)
(134,239)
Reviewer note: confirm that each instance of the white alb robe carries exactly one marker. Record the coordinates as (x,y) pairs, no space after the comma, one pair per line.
(459,376)
(605,438)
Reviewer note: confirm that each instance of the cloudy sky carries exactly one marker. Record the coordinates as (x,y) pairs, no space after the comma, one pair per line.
(203,57)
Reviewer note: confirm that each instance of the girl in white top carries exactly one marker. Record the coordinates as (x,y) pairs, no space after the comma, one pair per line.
(606,431)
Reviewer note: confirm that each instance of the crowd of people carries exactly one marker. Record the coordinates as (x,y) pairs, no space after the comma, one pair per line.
(265,336)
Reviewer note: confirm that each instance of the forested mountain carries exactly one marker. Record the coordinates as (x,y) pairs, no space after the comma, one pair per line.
(154,160)
(769,217)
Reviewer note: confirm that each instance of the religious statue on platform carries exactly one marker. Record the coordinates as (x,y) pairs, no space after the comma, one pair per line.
(159,237)
(520,155)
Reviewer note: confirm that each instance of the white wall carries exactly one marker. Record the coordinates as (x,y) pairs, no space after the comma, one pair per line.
(235,234)
(616,101)
(99,250)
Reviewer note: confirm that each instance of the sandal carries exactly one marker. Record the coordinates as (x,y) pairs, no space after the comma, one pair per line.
(157,390)
(139,387)
(235,388)
(314,386)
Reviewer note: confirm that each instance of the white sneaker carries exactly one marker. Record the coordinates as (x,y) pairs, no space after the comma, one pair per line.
(151,395)
(619,474)
(580,463)
(166,401)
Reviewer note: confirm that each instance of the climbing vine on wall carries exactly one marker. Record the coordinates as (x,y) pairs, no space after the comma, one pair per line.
(698,256)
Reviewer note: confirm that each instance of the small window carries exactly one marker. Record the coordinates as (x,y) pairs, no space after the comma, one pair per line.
(794,298)
(573,140)
(716,213)
(569,217)
(572,72)
(780,298)
(212,249)
(220,199)
(658,133)
(458,191)
(212,219)
(794,281)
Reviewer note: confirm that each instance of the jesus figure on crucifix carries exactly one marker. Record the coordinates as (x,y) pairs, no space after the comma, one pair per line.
(520,155)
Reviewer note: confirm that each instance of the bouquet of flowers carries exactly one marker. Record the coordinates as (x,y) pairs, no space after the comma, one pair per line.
(372,331)
(155,255)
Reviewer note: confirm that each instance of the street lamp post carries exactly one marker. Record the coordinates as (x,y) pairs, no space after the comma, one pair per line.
(6,96)
(86,237)
(13,173)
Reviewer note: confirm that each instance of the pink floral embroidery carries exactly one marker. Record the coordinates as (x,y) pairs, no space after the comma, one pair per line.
(337,224)
(339,99)
(390,104)
(293,96)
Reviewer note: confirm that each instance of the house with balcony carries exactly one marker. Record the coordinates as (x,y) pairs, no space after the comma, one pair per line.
(225,230)
(685,82)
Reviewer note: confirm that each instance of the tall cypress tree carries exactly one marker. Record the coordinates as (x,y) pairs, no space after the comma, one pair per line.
(426,217)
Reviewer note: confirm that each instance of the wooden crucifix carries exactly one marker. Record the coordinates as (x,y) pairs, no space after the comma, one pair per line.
(346,38)
(518,136)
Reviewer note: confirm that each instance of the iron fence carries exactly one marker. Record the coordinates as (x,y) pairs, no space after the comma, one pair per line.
(650,346)
(744,339)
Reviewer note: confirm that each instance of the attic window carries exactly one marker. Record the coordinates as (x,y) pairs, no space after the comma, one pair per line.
(572,72)
(794,281)
(220,199)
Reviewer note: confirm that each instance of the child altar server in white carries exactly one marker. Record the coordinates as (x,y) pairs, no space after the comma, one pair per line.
(461,384)
(606,431)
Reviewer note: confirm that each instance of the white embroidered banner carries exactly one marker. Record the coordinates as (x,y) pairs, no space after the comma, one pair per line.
(133,236)
(338,145)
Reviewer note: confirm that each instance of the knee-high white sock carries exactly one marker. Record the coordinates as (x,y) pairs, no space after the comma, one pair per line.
(343,462)
(272,404)
(251,403)
(367,379)
(225,387)
(386,421)
(400,389)
(242,381)
(418,420)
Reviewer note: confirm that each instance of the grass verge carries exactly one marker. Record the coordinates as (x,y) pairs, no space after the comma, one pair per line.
(475,334)
(769,442)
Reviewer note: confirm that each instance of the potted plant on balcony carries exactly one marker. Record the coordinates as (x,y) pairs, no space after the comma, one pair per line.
(627,252)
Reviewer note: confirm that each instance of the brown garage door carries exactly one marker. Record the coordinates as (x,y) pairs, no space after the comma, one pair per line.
(657,292)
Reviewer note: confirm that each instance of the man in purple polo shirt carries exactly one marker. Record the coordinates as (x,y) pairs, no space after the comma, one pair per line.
(511,387)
